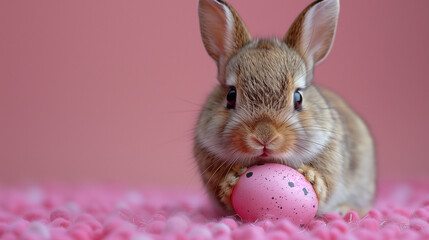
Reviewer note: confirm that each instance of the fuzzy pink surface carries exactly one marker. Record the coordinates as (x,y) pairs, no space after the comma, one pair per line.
(112,212)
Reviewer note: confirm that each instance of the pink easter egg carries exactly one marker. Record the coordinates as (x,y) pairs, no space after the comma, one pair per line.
(274,191)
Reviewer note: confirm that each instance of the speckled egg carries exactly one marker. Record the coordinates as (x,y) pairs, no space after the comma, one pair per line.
(274,191)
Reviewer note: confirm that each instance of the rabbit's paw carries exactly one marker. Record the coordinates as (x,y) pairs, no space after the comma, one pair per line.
(228,183)
(316,180)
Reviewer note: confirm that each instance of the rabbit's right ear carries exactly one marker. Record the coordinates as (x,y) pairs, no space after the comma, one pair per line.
(313,31)
(222,31)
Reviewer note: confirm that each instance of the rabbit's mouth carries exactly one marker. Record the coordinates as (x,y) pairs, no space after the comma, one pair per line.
(265,153)
(268,153)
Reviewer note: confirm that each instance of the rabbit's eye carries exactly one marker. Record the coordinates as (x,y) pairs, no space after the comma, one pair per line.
(230,98)
(297,100)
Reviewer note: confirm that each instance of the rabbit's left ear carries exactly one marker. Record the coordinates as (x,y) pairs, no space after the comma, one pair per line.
(313,31)
(223,32)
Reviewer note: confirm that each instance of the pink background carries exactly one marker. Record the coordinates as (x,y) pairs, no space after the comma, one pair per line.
(110,90)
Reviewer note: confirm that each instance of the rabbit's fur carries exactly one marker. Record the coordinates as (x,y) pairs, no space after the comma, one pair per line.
(325,140)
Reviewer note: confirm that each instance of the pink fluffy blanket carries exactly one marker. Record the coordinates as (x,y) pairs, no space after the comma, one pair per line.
(112,212)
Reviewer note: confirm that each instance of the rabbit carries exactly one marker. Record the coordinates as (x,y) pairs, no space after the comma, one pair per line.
(267,109)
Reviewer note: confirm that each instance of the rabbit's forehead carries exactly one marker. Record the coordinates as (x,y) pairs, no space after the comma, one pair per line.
(268,70)
(266,61)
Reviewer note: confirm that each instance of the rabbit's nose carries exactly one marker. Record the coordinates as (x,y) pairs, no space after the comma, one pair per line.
(264,135)
(263,143)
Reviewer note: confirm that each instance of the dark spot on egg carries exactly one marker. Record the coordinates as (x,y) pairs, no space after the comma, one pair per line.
(272,198)
(249,174)
(291,184)
(305,191)
(314,206)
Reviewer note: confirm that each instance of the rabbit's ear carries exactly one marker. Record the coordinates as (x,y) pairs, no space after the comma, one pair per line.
(313,31)
(222,31)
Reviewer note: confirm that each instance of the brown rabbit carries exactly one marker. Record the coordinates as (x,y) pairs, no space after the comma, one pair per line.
(266,109)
